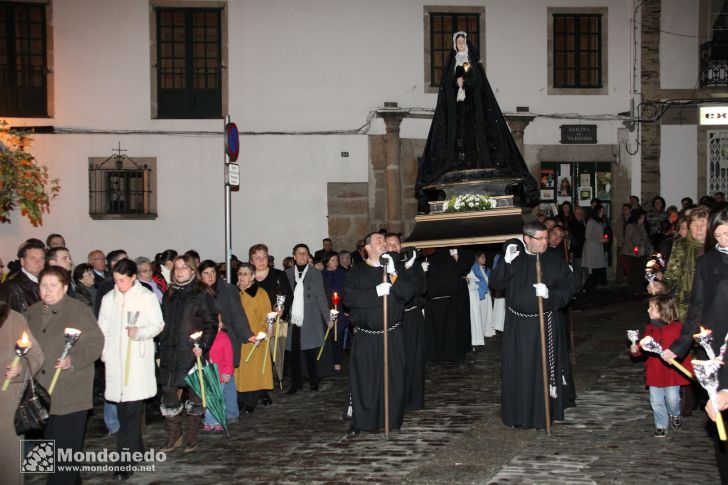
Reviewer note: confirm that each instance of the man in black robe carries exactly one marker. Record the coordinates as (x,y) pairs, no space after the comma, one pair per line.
(448,337)
(522,395)
(413,327)
(367,285)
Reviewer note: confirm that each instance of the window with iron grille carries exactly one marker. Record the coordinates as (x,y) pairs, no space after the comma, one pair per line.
(23,60)
(442,27)
(577,51)
(121,187)
(189,63)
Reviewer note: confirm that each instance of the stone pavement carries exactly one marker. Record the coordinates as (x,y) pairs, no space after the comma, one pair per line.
(458,438)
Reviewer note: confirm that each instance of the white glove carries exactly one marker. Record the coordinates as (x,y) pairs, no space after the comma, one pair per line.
(541,290)
(383,289)
(453,252)
(390,264)
(425,266)
(571,268)
(512,253)
(410,262)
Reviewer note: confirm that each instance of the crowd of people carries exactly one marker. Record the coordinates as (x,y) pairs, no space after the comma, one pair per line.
(136,316)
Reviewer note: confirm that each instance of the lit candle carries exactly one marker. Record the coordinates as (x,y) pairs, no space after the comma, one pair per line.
(22,347)
(636,250)
(335,301)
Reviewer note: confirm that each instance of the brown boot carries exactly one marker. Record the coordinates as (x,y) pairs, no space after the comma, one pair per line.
(173,426)
(191,425)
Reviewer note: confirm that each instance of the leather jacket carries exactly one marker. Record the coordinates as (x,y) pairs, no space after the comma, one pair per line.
(20,292)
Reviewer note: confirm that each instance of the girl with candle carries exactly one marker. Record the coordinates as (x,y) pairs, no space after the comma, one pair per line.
(187,309)
(72,396)
(12,327)
(130,318)
(663,380)
(248,379)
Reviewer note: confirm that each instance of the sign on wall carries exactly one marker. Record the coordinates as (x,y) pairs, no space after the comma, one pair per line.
(578,134)
(714,115)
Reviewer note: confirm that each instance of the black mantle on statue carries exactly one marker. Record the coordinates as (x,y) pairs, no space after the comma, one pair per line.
(470,148)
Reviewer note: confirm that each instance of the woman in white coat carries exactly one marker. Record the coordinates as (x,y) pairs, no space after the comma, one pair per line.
(130,318)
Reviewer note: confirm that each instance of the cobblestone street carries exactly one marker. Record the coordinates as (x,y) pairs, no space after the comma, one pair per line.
(459,437)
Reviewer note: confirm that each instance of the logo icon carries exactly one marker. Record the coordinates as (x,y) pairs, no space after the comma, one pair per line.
(40,458)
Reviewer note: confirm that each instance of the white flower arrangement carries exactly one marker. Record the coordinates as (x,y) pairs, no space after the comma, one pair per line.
(469,202)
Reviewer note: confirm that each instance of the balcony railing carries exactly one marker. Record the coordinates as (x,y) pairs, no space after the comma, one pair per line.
(714,64)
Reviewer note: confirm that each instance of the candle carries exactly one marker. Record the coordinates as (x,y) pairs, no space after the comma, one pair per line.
(280,301)
(131,320)
(333,316)
(22,347)
(269,320)
(650,345)
(71,336)
(258,339)
(704,338)
(335,301)
(195,338)
(636,250)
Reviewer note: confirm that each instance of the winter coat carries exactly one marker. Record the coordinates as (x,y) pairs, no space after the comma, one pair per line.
(635,236)
(74,389)
(659,373)
(593,255)
(316,308)
(221,354)
(20,292)
(10,331)
(708,307)
(678,278)
(187,309)
(248,378)
(113,320)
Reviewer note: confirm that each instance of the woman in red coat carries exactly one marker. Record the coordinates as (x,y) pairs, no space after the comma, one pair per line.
(663,380)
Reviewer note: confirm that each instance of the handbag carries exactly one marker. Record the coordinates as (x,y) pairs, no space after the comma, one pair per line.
(33,409)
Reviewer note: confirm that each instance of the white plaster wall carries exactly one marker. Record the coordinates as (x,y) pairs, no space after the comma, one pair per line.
(293,66)
(679,59)
(678,167)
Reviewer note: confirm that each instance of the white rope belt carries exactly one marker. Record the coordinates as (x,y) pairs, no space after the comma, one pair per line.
(376,332)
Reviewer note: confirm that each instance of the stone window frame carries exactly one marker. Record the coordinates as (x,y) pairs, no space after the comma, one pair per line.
(427,63)
(224,53)
(603,11)
(98,189)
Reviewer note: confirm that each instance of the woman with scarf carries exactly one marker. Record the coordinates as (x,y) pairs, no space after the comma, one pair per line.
(248,378)
(187,309)
(678,278)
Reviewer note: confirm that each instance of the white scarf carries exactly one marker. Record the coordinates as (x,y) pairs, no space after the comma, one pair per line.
(721,249)
(297,307)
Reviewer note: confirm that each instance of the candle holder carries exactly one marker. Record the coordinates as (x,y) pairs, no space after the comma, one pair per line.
(131,321)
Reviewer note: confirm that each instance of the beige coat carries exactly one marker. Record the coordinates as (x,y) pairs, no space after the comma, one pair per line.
(142,381)
(11,331)
(74,388)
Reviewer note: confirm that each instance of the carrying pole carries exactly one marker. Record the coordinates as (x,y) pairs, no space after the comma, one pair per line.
(546,399)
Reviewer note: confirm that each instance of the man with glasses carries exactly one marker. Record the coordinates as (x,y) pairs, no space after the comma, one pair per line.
(522,393)
(97,260)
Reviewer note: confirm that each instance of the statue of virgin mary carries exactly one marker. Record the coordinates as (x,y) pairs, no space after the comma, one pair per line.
(469,138)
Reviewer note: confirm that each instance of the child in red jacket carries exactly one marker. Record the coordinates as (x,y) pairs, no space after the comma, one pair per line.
(663,380)
(221,353)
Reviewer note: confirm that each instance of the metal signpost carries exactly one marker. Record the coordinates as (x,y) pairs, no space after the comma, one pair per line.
(232,179)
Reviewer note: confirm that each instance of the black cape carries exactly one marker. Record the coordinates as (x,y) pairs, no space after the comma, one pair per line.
(522,401)
(447,311)
(366,376)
